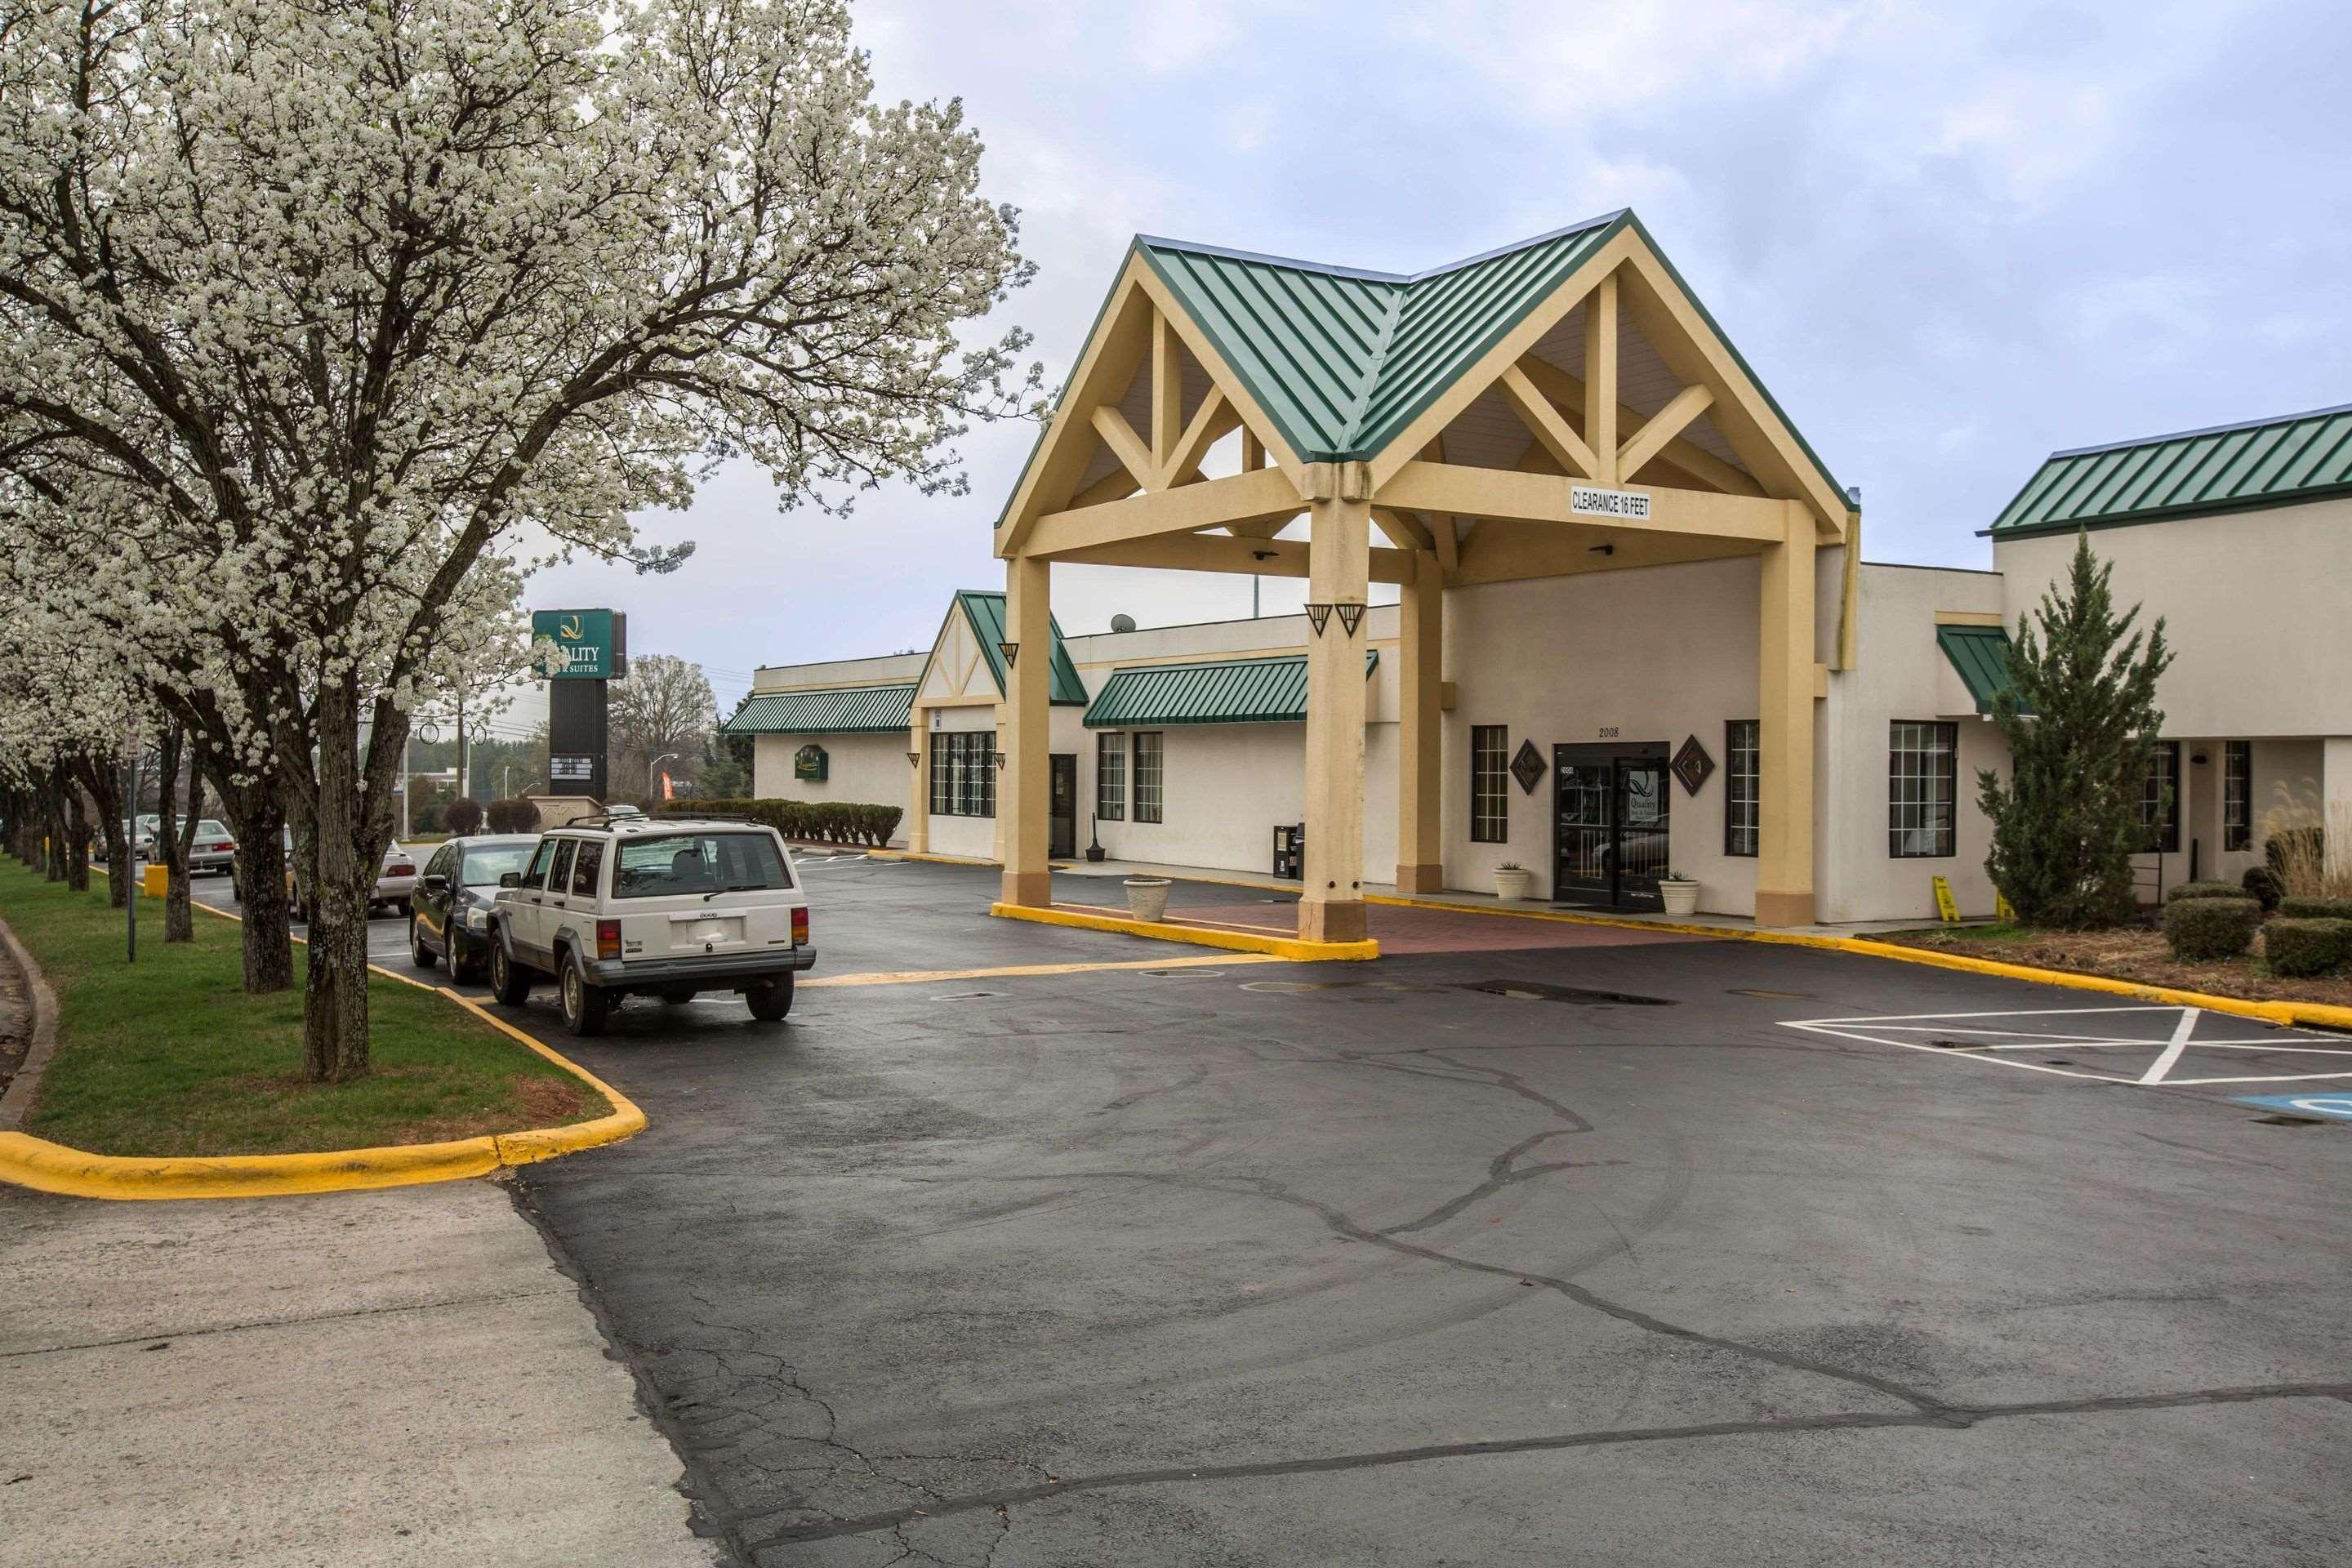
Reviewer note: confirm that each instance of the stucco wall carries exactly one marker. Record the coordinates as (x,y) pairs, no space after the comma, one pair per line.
(1226,787)
(1901,674)
(2255,605)
(1658,653)
(868,769)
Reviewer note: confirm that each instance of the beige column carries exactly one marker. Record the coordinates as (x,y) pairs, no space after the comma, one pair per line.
(1421,652)
(1784,866)
(1338,572)
(918,790)
(2334,804)
(1021,791)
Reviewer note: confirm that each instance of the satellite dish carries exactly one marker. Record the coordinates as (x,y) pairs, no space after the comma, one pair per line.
(1122,622)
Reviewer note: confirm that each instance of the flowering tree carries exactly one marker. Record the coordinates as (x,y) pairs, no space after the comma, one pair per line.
(324,321)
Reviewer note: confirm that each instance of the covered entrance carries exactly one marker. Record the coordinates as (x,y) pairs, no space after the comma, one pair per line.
(1556,408)
(1064,807)
(1609,845)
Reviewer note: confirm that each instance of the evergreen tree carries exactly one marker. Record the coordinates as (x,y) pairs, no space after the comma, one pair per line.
(2079,711)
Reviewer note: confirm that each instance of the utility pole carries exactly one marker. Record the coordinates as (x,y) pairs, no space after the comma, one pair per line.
(462,790)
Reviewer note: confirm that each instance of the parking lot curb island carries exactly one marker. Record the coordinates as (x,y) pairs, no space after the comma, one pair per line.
(1288,947)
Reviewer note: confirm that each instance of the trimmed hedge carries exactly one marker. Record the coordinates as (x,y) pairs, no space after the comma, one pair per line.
(2201,930)
(814,821)
(2317,909)
(2300,948)
(512,816)
(2262,885)
(2204,890)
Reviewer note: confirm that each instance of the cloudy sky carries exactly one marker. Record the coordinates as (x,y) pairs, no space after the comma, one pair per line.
(1950,238)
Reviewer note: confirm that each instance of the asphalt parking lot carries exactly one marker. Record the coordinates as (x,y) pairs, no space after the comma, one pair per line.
(1625,1250)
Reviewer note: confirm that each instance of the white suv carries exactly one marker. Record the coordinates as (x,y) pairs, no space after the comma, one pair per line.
(608,906)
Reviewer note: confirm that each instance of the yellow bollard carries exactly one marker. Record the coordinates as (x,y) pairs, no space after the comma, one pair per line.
(154,879)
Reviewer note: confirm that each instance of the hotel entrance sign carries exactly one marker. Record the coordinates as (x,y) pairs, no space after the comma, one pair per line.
(1592,500)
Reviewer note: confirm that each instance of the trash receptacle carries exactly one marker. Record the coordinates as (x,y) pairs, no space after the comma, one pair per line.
(154,879)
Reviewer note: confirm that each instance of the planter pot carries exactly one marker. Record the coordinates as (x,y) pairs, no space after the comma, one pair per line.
(1680,897)
(1147,898)
(1515,884)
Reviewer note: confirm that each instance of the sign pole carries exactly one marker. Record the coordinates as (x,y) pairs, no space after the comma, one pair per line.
(130,853)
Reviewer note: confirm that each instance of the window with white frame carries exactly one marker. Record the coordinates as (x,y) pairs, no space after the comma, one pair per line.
(1146,774)
(964,772)
(1490,781)
(1110,777)
(1922,777)
(1742,803)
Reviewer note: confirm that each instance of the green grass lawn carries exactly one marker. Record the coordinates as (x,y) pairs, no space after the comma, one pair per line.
(168,1056)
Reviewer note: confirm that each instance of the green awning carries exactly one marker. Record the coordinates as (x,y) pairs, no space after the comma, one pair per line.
(847,711)
(1218,691)
(1981,656)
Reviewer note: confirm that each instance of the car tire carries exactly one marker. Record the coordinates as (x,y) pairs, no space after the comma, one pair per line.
(676,998)
(466,959)
(770,1001)
(419,954)
(510,981)
(407,910)
(585,1007)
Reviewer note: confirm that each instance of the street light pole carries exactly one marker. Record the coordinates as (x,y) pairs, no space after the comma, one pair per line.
(654,768)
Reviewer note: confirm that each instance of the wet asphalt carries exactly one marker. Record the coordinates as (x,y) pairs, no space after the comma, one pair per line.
(1434,1261)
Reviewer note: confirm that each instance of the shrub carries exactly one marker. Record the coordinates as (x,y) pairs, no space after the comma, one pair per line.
(512,816)
(2317,909)
(2290,847)
(2201,930)
(2262,885)
(462,816)
(2297,948)
(808,821)
(2204,890)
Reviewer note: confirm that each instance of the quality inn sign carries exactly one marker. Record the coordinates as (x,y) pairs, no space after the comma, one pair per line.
(580,645)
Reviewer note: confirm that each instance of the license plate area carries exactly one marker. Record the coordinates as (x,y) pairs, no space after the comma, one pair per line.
(705,932)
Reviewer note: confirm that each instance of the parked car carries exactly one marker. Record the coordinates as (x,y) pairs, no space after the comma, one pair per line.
(213,850)
(449,913)
(609,908)
(395,882)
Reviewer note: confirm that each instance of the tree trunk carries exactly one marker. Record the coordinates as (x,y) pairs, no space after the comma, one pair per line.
(53,828)
(77,840)
(349,829)
(105,787)
(258,823)
(171,841)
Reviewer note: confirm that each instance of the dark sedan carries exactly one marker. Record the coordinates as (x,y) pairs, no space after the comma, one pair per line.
(449,911)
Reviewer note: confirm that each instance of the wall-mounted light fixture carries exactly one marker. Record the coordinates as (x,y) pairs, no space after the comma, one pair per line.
(914,757)
(1602,550)
(1351,617)
(1317,616)
(1012,652)
(999,762)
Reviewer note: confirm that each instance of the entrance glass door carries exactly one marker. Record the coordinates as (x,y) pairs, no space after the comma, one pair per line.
(1614,806)
(1063,840)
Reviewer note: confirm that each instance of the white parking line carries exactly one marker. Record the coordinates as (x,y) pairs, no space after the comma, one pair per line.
(2171,1049)
(2174,1046)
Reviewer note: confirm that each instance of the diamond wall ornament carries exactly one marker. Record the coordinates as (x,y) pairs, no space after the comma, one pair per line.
(1527,767)
(1012,652)
(1692,764)
(1350,616)
(1317,616)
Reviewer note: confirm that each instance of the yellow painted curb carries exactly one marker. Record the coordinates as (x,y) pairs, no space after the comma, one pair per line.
(1289,947)
(2318,1013)
(35,1162)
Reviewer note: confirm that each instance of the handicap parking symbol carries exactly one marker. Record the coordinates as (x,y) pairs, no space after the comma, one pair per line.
(2336,1106)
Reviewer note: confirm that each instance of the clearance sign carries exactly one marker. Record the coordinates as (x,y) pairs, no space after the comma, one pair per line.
(579,644)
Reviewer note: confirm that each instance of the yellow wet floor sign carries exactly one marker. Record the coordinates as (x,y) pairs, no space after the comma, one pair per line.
(1946,909)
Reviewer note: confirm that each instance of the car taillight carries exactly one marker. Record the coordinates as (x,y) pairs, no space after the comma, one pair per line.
(800,925)
(403,869)
(608,939)
(224,844)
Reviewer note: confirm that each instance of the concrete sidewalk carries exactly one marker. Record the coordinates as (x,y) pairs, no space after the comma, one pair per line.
(368,1378)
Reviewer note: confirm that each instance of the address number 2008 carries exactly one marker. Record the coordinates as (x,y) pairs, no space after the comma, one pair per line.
(1609,732)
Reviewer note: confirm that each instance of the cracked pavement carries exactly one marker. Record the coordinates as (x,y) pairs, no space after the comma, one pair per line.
(1366,1266)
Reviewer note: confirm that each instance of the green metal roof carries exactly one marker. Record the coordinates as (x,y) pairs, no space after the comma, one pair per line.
(984,608)
(1219,692)
(1981,656)
(2231,468)
(1343,360)
(849,711)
